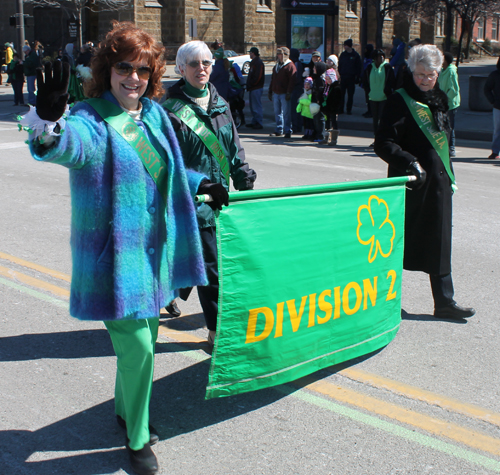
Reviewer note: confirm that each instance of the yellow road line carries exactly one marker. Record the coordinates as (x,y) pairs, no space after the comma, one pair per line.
(433,425)
(31,265)
(31,281)
(469,410)
(180,337)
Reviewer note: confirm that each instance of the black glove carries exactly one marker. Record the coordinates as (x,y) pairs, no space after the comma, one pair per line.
(270,95)
(218,193)
(288,96)
(416,169)
(52,95)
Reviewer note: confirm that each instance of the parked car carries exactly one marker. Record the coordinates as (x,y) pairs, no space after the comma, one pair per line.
(242,60)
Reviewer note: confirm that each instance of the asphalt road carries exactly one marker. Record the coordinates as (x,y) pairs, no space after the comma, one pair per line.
(428,403)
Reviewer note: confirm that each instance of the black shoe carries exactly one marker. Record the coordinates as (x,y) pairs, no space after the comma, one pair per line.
(153,433)
(340,112)
(367,115)
(258,126)
(454,312)
(173,309)
(251,126)
(143,461)
(276,134)
(288,135)
(349,113)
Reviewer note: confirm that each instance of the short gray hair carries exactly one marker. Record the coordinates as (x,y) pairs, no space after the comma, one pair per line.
(191,51)
(427,55)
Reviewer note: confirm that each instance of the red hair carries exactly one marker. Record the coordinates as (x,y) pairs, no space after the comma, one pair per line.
(126,42)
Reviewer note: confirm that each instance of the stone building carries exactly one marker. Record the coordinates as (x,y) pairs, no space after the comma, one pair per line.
(239,24)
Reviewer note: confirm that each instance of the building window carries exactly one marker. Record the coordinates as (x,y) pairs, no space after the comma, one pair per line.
(264,6)
(209,5)
(351,9)
(480,28)
(440,23)
(494,28)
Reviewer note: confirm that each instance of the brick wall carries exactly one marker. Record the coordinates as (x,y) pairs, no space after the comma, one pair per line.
(147,15)
(261,26)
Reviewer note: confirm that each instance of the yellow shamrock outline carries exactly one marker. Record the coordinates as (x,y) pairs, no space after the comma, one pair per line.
(375,244)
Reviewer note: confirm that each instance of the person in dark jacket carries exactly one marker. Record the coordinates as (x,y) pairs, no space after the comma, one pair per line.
(318,98)
(297,91)
(31,63)
(85,55)
(219,77)
(16,73)
(255,87)
(411,149)
(350,72)
(330,106)
(379,83)
(194,63)
(280,92)
(492,93)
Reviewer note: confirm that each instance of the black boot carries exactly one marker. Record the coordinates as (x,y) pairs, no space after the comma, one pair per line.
(143,461)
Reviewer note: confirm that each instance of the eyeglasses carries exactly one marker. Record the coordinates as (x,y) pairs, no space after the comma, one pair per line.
(126,69)
(421,77)
(205,63)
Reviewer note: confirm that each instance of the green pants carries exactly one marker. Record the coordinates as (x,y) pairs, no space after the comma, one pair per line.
(134,345)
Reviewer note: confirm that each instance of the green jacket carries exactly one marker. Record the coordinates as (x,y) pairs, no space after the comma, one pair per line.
(448,82)
(303,107)
(197,156)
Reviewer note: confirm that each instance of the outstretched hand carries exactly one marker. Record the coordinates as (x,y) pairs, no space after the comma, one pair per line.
(52,95)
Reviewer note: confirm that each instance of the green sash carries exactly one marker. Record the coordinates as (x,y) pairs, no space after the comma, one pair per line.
(137,139)
(424,119)
(189,117)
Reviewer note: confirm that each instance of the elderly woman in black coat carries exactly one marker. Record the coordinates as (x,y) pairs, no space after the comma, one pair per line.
(413,139)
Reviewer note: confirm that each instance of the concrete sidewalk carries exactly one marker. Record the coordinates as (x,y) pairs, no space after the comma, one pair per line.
(469,125)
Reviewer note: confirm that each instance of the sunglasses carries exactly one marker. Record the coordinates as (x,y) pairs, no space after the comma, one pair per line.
(126,69)
(204,63)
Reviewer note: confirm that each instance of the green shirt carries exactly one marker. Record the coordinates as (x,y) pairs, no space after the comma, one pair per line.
(377,83)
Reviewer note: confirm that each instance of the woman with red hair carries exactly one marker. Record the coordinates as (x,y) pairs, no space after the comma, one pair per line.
(134,235)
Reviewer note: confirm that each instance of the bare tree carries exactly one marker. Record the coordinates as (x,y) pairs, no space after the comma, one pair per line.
(383,8)
(77,7)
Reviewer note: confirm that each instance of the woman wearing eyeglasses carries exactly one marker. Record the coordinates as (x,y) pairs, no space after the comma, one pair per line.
(210,145)
(134,234)
(413,138)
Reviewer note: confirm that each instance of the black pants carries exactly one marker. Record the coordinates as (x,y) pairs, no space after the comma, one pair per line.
(18,91)
(209,294)
(442,290)
(331,122)
(376,108)
(347,84)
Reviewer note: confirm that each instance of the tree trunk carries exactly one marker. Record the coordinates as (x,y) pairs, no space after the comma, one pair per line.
(380,28)
(449,27)
(462,32)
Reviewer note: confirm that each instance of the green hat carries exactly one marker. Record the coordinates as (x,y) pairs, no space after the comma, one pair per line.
(219,54)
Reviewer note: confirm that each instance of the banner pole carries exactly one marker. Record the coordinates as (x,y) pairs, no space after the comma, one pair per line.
(309,189)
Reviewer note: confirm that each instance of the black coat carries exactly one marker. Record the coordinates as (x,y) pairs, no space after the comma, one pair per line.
(399,141)
(333,99)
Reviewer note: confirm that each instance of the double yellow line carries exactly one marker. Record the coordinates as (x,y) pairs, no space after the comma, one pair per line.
(430,425)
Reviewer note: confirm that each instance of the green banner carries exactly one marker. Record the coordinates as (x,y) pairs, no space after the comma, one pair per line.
(309,277)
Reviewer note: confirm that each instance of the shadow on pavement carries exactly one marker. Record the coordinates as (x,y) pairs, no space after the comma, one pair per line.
(177,407)
(428,318)
(60,345)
